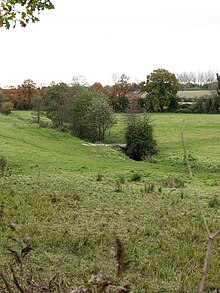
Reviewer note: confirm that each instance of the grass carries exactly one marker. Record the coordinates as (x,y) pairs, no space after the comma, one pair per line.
(73,219)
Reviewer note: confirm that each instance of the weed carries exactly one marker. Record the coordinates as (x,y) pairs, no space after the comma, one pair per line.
(136,177)
(1,213)
(99,177)
(3,165)
(173,182)
(148,188)
(122,179)
(118,186)
(214,202)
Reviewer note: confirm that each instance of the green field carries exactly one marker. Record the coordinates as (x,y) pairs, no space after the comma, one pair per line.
(73,201)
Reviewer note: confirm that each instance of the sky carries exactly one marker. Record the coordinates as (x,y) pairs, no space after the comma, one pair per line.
(100,38)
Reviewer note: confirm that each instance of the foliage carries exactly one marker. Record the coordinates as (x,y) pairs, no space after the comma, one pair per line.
(136,177)
(38,103)
(99,87)
(57,103)
(119,93)
(2,98)
(139,138)
(91,115)
(22,96)
(6,108)
(207,104)
(21,11)
(27,91)
(161,87)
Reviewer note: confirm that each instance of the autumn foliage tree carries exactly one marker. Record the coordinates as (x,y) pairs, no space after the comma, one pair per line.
(21,11)
(22,95)
(161,88)
(119,93)
(28,91)
(97,86)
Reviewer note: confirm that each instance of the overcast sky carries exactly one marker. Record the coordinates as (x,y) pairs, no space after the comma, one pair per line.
(101,37)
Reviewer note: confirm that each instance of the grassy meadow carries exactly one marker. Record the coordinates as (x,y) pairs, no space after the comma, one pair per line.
(74,201)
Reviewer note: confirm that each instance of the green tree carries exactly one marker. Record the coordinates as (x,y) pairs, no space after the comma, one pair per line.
(38,102)
(21,11)
(161,88)
(2,98)
(57,103)
(91,115)
(100,117)
(139,137)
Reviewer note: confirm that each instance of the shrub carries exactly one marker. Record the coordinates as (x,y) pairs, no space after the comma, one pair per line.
(139,138)
(7,107)
(136,177)
(214,202)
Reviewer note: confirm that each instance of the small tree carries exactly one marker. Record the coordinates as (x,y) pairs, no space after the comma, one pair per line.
(139,138)
(57,104)
(2,99)
(91,115)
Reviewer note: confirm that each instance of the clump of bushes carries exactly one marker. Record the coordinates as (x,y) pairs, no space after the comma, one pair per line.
(139,138)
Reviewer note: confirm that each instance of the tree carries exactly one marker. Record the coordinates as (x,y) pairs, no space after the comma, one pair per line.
(139,137)
(91,114)
(27,92)
(161,87)
(100,116)
(99,87)
(2,98)
(57,103)
(21,11)
(120,91)
(38,102)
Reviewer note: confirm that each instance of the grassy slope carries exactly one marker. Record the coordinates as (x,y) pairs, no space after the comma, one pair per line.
(73,219)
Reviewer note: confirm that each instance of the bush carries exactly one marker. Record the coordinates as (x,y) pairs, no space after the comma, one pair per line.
(139,138)
(7,107)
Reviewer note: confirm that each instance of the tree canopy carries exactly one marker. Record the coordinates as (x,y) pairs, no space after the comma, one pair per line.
(161,87)
(21,11)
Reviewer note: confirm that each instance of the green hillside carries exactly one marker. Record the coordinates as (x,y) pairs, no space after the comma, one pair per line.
(75,200)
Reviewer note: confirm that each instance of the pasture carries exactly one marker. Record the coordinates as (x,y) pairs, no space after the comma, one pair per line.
(74,201)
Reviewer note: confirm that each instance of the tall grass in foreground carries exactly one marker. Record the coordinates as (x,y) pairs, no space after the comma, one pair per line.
(73,219)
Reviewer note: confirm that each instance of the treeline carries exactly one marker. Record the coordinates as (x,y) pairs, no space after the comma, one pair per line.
(197,80)
(157,94)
